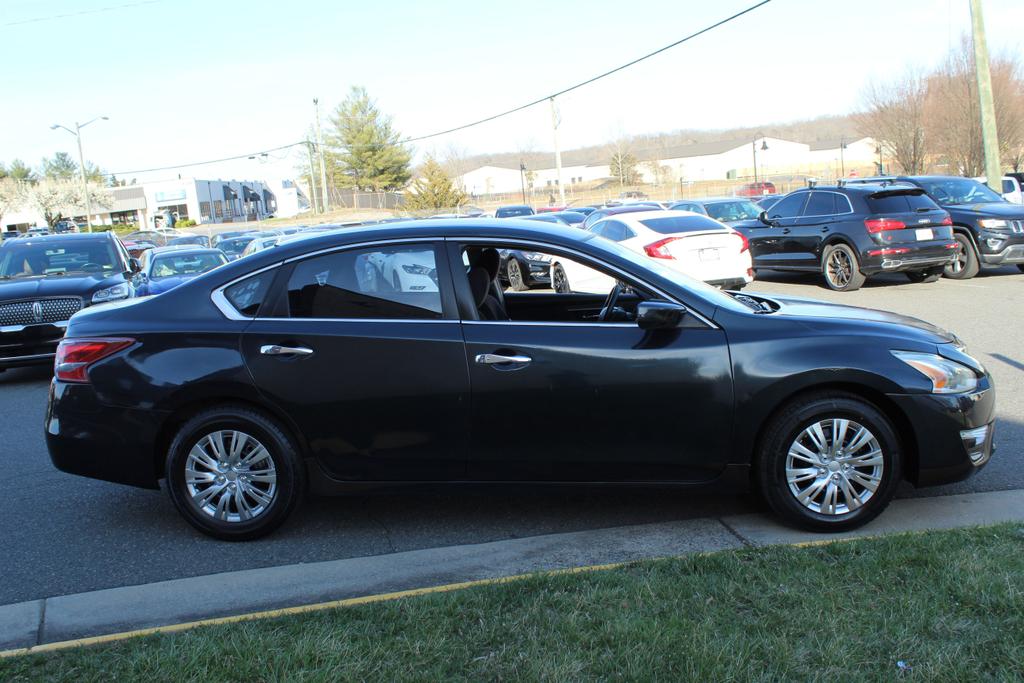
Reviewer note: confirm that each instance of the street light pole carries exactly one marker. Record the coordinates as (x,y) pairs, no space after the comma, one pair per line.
(77,132)
(764,148)
(325,199)
(522,178)
(842,161)
(558,152)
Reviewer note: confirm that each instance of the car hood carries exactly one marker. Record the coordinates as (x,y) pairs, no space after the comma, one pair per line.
(822,312)
(82,284)
(991,210)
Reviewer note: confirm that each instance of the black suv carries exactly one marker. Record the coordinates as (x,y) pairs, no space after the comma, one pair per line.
(848,233)
(45,280)
(988,229)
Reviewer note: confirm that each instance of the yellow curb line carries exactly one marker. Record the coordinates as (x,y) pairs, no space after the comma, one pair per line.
(351,602)
(301,609)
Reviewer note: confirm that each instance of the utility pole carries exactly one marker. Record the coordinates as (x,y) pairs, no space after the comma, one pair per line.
(989,135)
(325,199)
(522,178)
(312,178)
(558,152)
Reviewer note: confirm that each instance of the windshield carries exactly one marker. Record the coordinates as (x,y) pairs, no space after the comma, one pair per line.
(674,224)
(235,245)
(953,191)
(510,211)
(26,259)
(739,210)
(185,264)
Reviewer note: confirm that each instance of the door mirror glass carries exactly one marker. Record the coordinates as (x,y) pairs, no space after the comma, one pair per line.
(134,265)
(659,315)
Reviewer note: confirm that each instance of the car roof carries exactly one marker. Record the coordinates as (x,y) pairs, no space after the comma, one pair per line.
(180,248)
(669,213)
(629,208)
(515,206)
(53,237)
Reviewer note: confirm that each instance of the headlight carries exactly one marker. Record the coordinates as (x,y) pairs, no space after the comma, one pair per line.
(121,291)
(416,269)
(993,223)
(947,377)
(534,256)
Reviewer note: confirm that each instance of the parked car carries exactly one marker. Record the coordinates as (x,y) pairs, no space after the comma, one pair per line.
(234,246)
(690,243)
(227,234)
(728,210)
(547,218)
(521,270)
(190,240)
(595,216)
(136,248)
(65,226)
(1011,188)
(513,211)
(585,210)
(291,371)
(45,280)
(37,231)
(851,232)
(550,209)
(259,244)
(151,236)
(571,217)
(167,267)
(988,229)
(758,189)
(767,201)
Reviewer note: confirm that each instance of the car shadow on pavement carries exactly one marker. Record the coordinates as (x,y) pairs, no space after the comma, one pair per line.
(30,375)
(875,282)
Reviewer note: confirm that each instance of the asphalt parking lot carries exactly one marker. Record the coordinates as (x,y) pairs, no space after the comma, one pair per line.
(64,534)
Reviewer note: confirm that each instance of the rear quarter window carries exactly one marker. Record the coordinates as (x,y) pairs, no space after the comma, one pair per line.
(247,296)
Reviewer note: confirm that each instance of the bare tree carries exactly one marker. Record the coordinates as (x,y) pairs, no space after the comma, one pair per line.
(894,115)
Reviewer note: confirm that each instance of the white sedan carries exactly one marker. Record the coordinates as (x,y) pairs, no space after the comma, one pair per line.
(693,244)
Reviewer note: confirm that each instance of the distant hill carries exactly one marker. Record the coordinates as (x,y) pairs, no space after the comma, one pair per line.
(645,147)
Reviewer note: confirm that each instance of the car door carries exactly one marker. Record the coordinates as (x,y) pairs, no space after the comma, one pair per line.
(774,246)
(583,400)
(814,225)
(362,349)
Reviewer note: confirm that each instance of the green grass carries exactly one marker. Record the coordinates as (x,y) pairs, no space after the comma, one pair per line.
(948,604)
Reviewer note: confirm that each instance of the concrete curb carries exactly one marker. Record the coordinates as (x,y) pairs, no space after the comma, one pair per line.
(117,610)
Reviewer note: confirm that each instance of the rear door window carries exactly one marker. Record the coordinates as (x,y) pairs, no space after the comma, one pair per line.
(387,282)
(820,204)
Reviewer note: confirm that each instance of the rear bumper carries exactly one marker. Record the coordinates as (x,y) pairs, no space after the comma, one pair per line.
(90,439)
(944,451)
(24,345)
(895,258)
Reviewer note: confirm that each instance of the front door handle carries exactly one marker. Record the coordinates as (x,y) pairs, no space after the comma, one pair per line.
(275,350)
(785,231)
(825,229)
(497,359)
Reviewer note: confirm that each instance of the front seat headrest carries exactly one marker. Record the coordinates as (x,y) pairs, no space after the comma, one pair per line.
(490,261)
(479,283)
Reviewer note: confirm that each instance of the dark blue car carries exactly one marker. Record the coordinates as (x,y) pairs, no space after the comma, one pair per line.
(165,268)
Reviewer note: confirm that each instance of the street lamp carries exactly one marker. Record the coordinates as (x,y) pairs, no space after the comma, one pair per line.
(842,161)
(522,178)
(881,168)
(77,132)
(764,148)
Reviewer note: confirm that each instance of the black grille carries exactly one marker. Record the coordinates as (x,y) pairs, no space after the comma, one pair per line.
(47,311)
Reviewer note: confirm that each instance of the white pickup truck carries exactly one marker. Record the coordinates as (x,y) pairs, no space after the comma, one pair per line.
(1011,190)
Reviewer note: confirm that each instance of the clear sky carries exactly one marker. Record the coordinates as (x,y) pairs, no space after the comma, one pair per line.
(189,80)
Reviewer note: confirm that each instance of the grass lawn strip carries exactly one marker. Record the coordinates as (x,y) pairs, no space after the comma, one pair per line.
(948,604)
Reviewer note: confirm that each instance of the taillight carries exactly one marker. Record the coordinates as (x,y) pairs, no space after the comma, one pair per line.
(75,356)
(948,220)
(879,224)
(659,249)
(745,242)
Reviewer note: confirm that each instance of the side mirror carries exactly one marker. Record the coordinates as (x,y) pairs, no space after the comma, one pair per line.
(659,315)
(763,217)
(134,265)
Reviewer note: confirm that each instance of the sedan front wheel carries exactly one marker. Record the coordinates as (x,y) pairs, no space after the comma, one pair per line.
(829,462)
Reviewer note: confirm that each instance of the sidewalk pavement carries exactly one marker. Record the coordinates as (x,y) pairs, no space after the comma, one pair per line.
(165,603)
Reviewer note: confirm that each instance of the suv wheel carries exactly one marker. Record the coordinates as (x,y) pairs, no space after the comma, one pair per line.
(514,272)
(233,473)
(929,275)
(829,462)
(965,266)
(841,268)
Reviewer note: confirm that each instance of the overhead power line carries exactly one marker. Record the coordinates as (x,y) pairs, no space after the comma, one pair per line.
(209,161)
(68,15)
(593,79)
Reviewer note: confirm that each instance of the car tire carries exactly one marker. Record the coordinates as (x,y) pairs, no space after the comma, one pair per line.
(277,478)
(920,276)
(1020,267)
(514,274)
(966,264)
(799,485)
(841,268)
(559,280)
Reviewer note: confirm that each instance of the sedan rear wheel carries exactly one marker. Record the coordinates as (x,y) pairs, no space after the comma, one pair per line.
(841,268)
(559,280)
(233,473)
(514,272)
(829,462)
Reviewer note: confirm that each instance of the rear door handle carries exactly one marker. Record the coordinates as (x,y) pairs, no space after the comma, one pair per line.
(275,350)
(497,359)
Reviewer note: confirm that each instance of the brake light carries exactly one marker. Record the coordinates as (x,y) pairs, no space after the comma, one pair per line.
(745,244)
(879,224)
(76,356)
(948,220)
(888,252)
(659,249)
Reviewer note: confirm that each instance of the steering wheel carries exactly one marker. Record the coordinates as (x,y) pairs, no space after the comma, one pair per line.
(91,267)
(609,303)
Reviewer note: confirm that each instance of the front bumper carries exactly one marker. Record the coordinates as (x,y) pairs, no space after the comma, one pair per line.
(537,272)
(941,427)
(25,345)
(1009,254)
(88,438)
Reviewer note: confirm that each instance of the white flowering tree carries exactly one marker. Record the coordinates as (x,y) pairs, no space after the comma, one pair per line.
(12,195)
(57,198)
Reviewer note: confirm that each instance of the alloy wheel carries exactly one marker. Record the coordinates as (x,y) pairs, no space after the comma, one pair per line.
(960,262)
(834,466)
(230,476)
(558,280)
(515,275)
(839,268)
